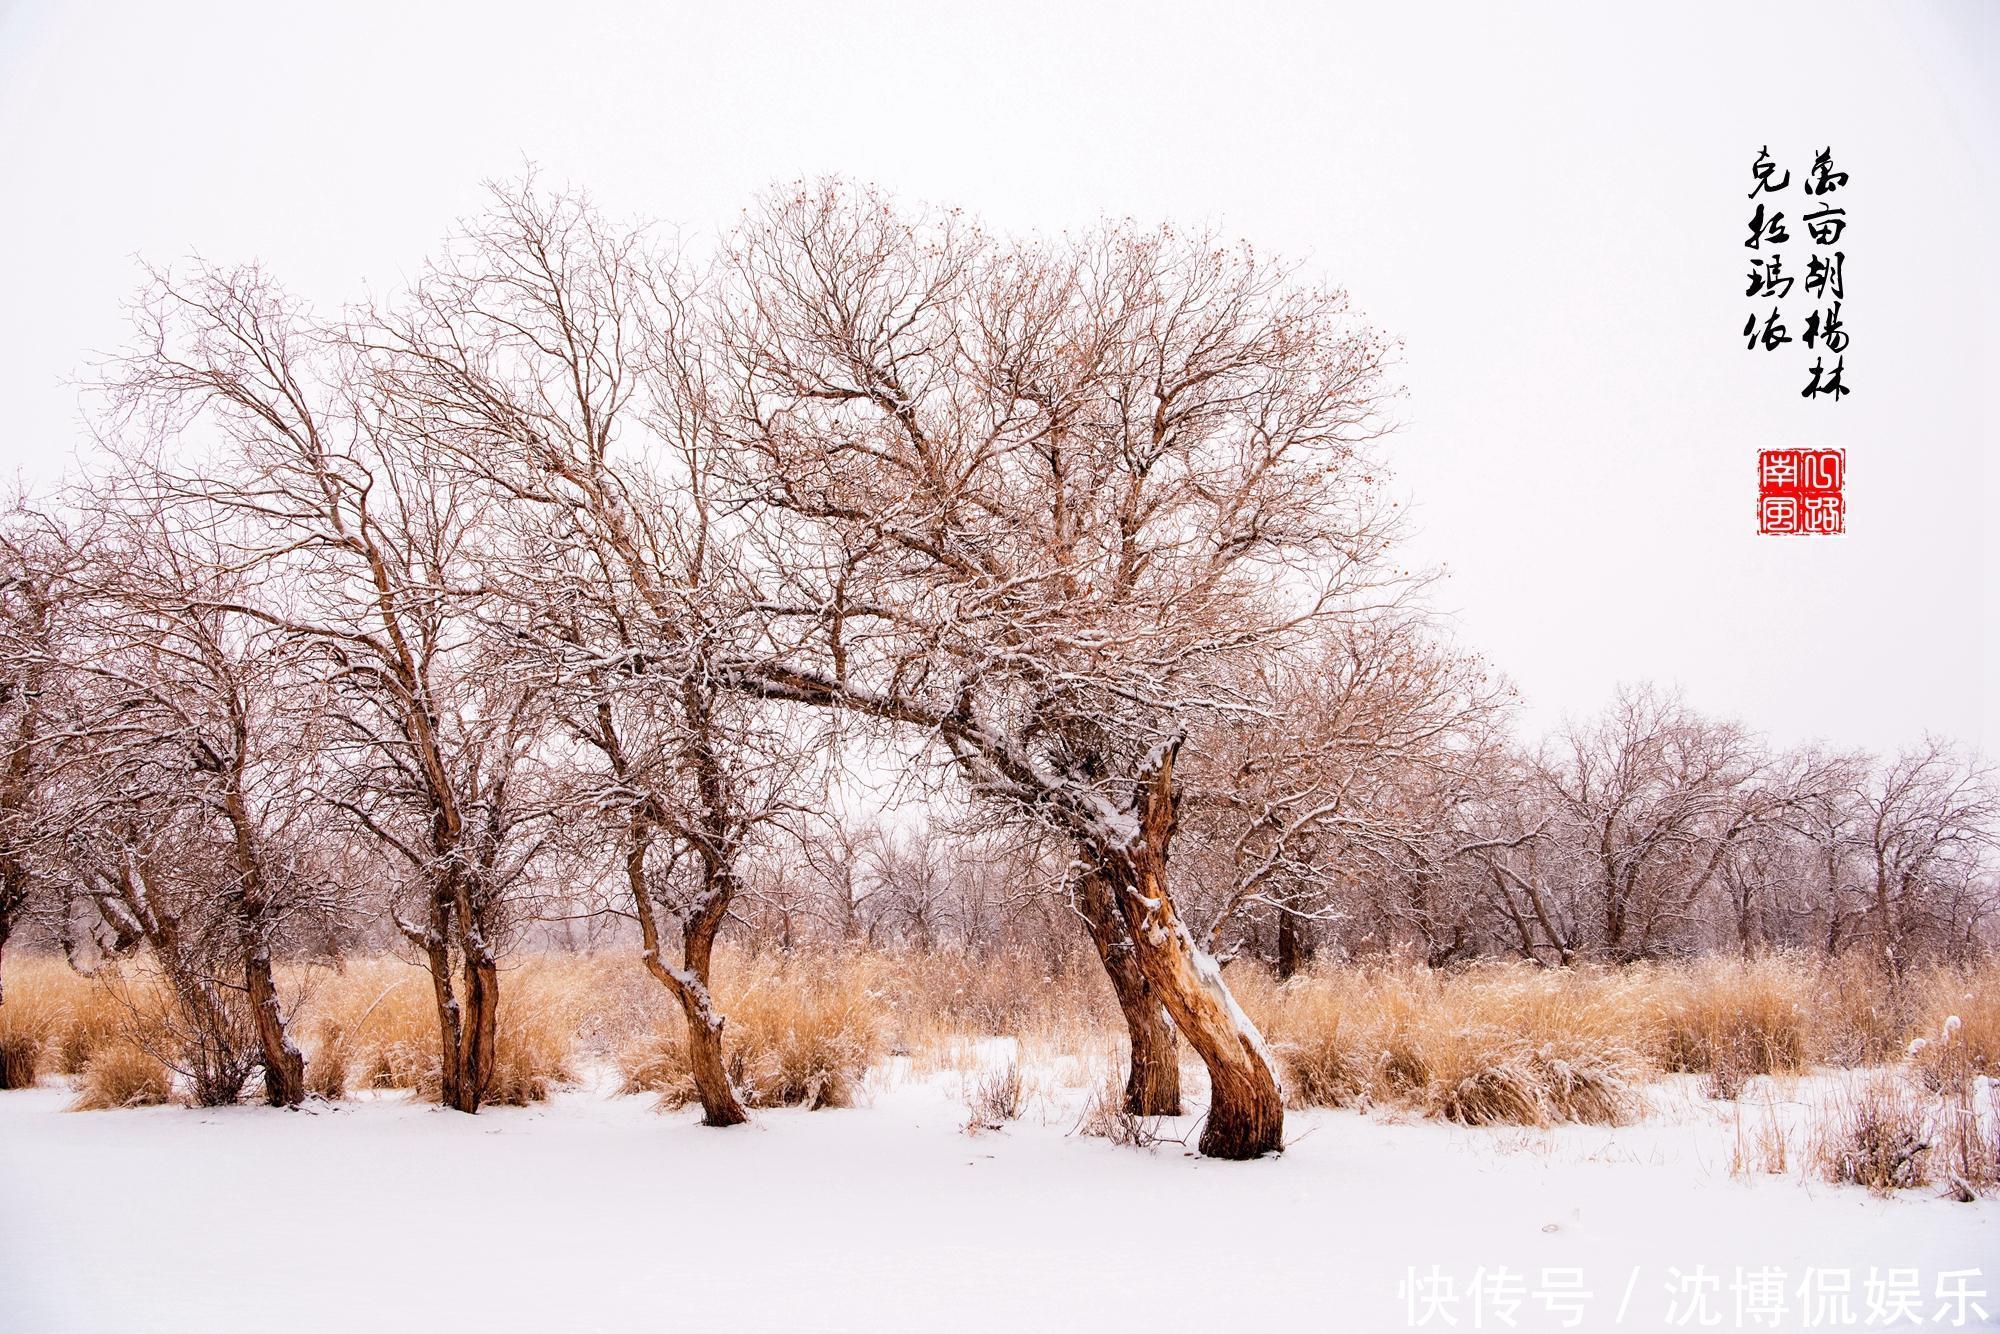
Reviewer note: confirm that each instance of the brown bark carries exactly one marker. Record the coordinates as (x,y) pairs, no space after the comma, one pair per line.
(468,1006)
(1153,1081)
(482,1027)
(1246,1111)
(1290,955)
(451,1025)
(15,1068)
(284,1067)
(719,1103)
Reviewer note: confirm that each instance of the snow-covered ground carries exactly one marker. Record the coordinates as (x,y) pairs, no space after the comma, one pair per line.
(598,1213)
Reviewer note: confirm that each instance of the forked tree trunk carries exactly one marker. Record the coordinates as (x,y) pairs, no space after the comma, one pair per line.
(284,1067)
(689,985)
(1246,1111)
(468,1012)
(1153,1082)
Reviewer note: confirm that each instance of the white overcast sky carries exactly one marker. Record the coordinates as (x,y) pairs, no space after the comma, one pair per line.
(1545,202)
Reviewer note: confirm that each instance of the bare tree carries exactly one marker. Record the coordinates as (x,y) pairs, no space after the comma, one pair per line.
(197,722)
(1926,828)
(1651,798)
(367,549)
(1038,502)
(1515,862)
(833,850)
(35,556)
(1346,782)
(550,357)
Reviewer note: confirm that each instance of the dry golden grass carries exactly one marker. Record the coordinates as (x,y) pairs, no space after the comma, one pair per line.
(1763,1145)
(369,1024)
(1731,1019)
(544,1006)
(1973,999)
(1495,1044)
(30,1018)
(1490,1043)
(60,1017)
(121,1074)
(1965,1146)
(373,1025)
(1505,1042)
(108,1031)
(800,1030)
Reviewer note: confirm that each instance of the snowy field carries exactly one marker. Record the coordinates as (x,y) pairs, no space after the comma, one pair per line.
(598,1213)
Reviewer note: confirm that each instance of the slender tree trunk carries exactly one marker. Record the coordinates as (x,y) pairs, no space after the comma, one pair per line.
(719,1106)
(451,1026)
(16,1066)
(1290,954)
(1246,1110)
(481,1034)
(1153,1082)
(719,1103)
(284,1067)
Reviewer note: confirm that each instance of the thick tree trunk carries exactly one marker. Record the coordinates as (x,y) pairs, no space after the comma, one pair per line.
(1246,1111)
(284,1067)
(719,1104)
(1153,1082)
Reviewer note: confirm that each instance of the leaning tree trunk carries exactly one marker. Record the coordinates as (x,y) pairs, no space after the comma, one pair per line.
(719,1104)
(689,985)
(284,1067)
(1153,1083)
(1246,1110)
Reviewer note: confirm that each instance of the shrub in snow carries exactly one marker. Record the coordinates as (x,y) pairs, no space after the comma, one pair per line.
(1877,1137)
(122,1075)
(993,1098)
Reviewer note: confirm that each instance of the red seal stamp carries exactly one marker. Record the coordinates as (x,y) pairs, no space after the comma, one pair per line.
(1800,491)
